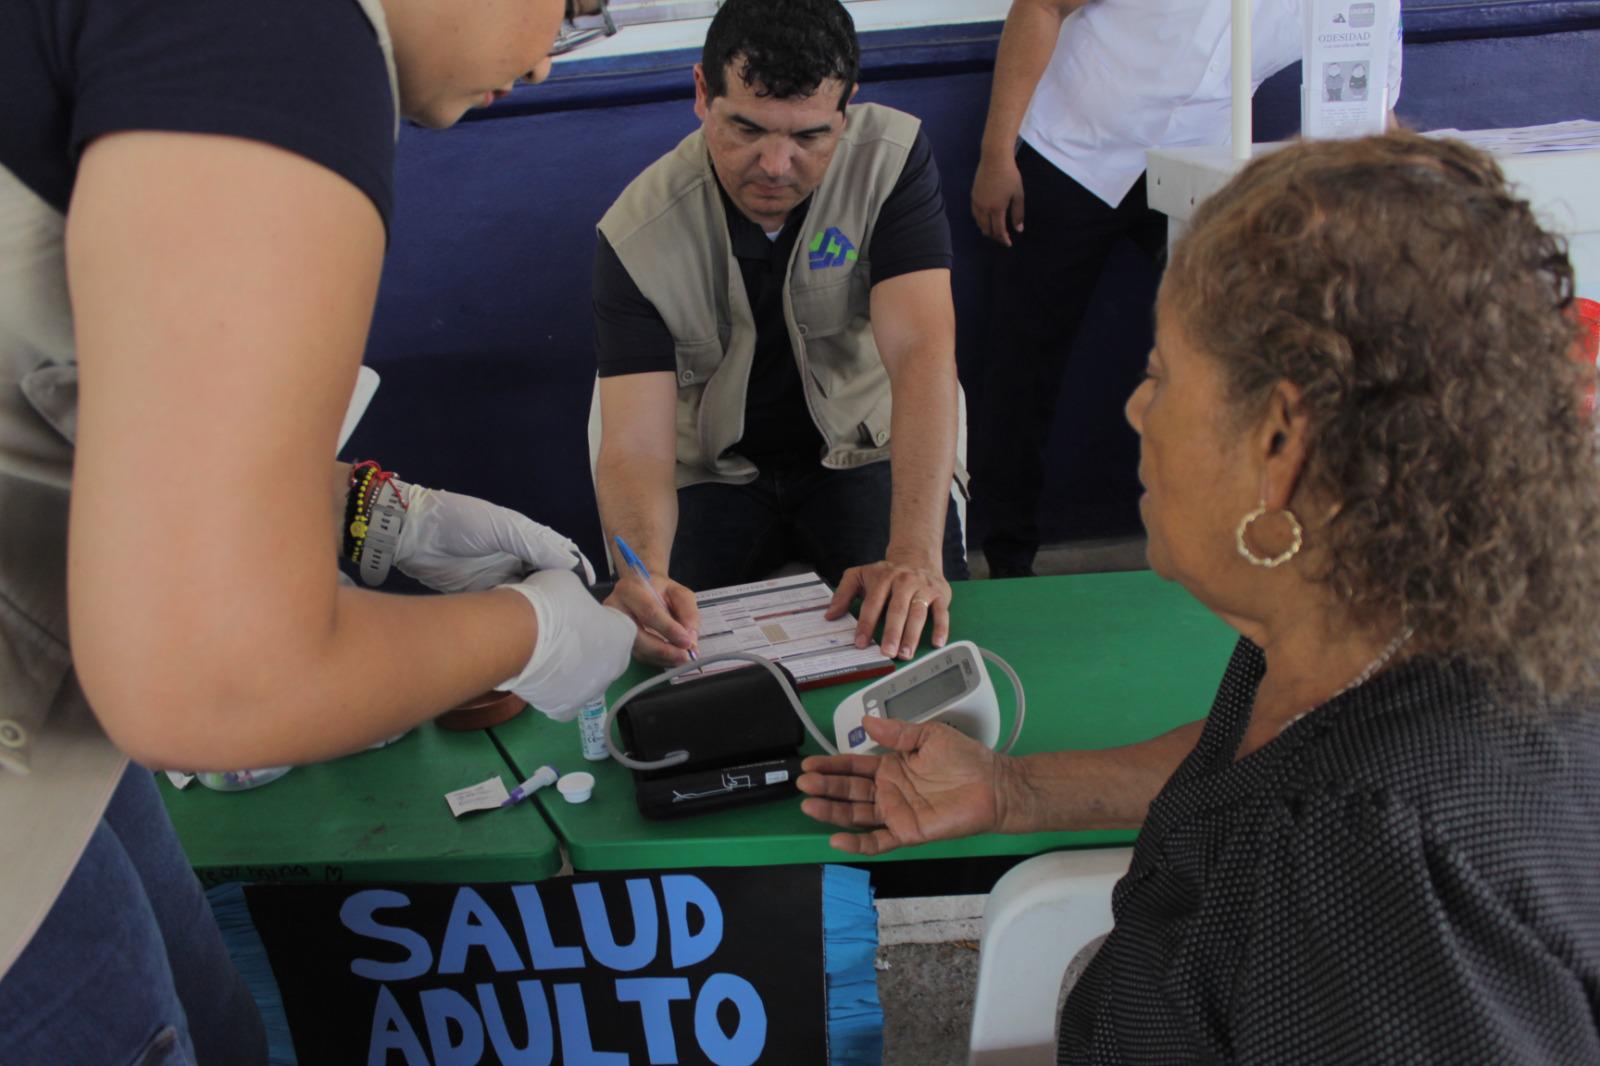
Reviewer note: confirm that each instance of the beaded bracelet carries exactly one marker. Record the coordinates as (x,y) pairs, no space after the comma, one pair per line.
(374,513)
(357,509)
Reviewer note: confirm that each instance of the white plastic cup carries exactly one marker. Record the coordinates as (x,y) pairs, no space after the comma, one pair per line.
(576,787)
(591,726)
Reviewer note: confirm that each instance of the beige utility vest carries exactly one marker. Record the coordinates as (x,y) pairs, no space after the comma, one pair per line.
(57,768)
(671,235)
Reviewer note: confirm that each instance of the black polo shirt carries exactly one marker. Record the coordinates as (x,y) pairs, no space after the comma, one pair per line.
(631,337)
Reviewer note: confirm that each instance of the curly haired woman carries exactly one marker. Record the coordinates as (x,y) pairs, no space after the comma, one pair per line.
(1362,448)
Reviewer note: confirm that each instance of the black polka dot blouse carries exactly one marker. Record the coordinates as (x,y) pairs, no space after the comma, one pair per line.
(1408,874)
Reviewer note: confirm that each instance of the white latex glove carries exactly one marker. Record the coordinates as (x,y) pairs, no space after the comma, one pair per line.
(456,543)
(582,646)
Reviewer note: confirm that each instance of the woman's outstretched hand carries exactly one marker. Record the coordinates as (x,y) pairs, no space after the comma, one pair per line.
(934,784)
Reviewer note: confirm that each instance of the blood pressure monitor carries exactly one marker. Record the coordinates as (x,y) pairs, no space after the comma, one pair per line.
(950,685)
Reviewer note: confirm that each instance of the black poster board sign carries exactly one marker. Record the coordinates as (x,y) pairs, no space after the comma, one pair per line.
(720,966)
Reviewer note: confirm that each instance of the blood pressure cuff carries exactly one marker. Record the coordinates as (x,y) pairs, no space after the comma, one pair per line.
(733,724)
(717,788)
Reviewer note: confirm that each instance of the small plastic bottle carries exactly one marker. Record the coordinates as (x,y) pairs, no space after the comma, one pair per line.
(591,725)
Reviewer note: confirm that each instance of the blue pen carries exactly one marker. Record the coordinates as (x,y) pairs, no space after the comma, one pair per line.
(637,566)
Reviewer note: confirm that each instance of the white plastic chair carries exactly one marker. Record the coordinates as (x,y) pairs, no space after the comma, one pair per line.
(1039,916)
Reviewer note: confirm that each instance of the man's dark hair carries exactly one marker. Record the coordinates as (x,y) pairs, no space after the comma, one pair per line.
(782,48)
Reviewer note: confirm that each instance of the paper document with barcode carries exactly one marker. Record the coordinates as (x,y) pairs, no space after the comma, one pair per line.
(781,619)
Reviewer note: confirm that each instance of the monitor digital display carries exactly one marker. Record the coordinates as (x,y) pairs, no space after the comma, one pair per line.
(926,695)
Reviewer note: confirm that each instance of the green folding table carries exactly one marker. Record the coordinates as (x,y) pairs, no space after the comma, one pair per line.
(1107,659)
(373,816)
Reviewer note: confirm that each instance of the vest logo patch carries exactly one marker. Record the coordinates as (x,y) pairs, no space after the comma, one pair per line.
(830,248)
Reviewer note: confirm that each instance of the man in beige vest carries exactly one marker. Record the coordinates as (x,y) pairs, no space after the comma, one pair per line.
(194,200)
(776,341)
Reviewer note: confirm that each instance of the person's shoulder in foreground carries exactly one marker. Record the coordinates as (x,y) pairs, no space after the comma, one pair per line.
(1424,881)
(304,75)
(1504,780)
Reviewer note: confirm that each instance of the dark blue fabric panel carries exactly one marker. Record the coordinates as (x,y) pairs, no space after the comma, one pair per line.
(1482,83)
(482,332)
(1456,20)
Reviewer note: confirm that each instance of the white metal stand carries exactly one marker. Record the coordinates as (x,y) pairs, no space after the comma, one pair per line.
(1563,187)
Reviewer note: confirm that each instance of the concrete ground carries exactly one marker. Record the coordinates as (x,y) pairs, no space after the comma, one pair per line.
(928,947)
(926,991)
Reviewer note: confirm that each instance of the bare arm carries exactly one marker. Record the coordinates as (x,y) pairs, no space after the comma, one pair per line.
(1107,789)
(637,492)
(341,496)
(1026,44)
(222,291)
(939,785)
(913,322)
(914,325)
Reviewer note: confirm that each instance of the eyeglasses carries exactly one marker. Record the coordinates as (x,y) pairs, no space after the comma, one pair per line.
(574,36)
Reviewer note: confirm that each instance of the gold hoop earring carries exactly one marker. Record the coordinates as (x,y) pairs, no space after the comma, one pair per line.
(1295,532)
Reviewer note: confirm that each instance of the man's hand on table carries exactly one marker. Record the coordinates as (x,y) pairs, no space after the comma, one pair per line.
(935,784)
(905,597)
(665,634)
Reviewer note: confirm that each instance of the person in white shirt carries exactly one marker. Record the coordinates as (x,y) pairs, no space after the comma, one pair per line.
(1082,88)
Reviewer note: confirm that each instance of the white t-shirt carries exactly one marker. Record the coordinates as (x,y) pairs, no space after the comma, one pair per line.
(1128,75)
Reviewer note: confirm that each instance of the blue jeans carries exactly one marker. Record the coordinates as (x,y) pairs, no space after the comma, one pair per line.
(129,966)
(829,519)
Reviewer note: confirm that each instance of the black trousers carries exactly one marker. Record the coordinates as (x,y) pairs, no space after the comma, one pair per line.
(831,519)
(1043,285)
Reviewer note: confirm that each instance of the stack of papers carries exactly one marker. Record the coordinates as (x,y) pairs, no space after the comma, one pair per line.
(1576,136)
(781,619)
